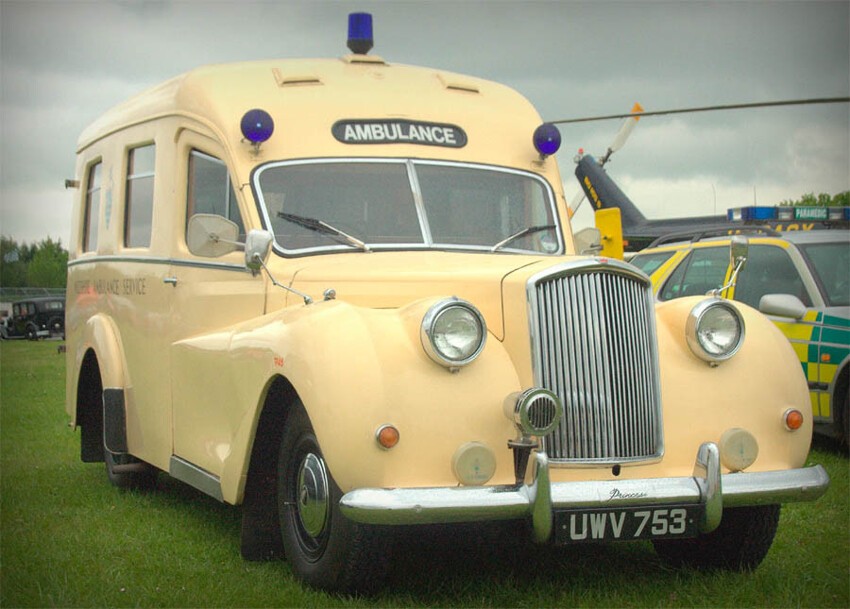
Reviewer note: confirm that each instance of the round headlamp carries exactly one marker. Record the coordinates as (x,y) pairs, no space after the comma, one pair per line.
(453,332)
(715,330)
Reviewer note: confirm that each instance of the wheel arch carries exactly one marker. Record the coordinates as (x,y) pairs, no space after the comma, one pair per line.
(89,408)
(260,535)
(98,364)
(840,400)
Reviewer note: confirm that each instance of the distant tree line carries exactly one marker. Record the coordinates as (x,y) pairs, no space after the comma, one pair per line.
(842,199)
(40,265)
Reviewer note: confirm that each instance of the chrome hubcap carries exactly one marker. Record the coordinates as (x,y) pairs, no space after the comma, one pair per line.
(313,495)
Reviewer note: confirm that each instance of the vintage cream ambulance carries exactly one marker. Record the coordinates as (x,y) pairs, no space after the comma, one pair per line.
(344,294)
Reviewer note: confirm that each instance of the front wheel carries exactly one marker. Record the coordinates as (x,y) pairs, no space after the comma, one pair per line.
(740,543)
(323,547)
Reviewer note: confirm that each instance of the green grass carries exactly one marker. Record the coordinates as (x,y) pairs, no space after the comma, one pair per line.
(68,539)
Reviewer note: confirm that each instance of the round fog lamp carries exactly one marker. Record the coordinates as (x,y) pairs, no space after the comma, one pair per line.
(738,449)
(714,330)
(474,464)
(453,332)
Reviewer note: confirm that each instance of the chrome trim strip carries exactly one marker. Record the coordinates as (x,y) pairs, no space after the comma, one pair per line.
(219,266)
(195,476)
(405,506)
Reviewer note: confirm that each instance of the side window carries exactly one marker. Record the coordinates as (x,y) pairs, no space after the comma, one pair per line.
(769,270)
(92,210)
(649,263)
(703,270)
(210,190)
(139,199)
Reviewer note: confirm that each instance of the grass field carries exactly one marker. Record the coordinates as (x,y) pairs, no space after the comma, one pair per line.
(68,539)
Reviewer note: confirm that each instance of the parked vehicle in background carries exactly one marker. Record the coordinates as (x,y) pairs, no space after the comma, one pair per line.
(7,330)
(35,318)
(801,280)
(344,294)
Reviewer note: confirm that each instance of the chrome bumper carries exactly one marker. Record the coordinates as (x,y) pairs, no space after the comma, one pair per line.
(707,486)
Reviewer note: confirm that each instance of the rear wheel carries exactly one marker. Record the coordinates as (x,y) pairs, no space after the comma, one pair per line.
(740,543)
(31,332)
(323,547)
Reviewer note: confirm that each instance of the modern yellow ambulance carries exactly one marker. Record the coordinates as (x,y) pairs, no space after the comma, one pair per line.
(800,279)
(344,294)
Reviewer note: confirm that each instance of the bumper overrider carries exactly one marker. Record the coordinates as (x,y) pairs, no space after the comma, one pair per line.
(704,494)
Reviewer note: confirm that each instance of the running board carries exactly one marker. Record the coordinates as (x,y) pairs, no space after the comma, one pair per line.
(196,477)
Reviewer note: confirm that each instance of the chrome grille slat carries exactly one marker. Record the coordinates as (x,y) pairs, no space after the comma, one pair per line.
(594,344)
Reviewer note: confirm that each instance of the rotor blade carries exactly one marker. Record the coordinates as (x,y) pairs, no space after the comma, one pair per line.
(627,128)
(576,202)
(793,102)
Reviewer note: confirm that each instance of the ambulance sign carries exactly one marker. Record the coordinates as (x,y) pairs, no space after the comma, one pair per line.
(394,131)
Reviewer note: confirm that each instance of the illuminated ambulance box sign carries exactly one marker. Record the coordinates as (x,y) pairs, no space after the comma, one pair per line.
(811,213)
(379,131)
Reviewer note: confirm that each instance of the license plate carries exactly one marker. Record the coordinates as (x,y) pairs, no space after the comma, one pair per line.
(651,522)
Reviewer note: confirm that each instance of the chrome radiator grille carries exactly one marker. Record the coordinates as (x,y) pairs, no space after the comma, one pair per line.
(593,333)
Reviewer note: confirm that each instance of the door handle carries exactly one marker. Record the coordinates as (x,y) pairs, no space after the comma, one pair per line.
(171,280)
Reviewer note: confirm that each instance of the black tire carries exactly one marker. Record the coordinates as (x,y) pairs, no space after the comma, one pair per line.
(31,332)
(56,326)
(740,543)
(323,547)
(139,476)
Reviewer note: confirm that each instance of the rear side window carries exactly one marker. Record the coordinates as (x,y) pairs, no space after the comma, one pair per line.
(92,211)
(649,263)
(139,201)
(211,191)
(703,270)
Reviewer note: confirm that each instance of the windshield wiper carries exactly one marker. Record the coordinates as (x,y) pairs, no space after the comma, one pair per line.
(526,231)
(324,228)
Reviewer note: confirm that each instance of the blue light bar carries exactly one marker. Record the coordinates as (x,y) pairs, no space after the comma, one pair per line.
(746,214)
(547,139)
(360,32)
(257,126)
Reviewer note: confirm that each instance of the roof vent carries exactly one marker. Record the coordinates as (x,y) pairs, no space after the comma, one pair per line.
(295,80)
(453,84)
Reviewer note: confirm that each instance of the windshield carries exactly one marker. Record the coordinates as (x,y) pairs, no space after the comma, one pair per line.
(362,205)
(830,263)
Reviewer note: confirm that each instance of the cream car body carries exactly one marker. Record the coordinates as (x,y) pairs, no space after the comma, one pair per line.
(181,359)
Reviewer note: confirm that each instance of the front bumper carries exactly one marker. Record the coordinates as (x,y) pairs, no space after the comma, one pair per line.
(708,487)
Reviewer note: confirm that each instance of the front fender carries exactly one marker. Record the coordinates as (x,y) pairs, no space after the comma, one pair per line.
(355,369)
(752,390)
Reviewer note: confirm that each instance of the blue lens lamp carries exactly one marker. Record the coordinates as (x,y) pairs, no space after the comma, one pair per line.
(547,139)
(257,126)
(360,33)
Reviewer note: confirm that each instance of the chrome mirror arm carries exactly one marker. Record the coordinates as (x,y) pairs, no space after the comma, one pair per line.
(259,259)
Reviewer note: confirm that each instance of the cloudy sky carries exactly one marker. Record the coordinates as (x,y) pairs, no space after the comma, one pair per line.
(64,63)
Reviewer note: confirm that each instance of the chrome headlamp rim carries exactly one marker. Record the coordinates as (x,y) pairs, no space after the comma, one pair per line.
(427,332)
(697,316)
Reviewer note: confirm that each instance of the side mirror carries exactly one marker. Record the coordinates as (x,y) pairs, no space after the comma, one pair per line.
(258,244)
(211,235)
(588,241)
(738,251)
(782,305)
